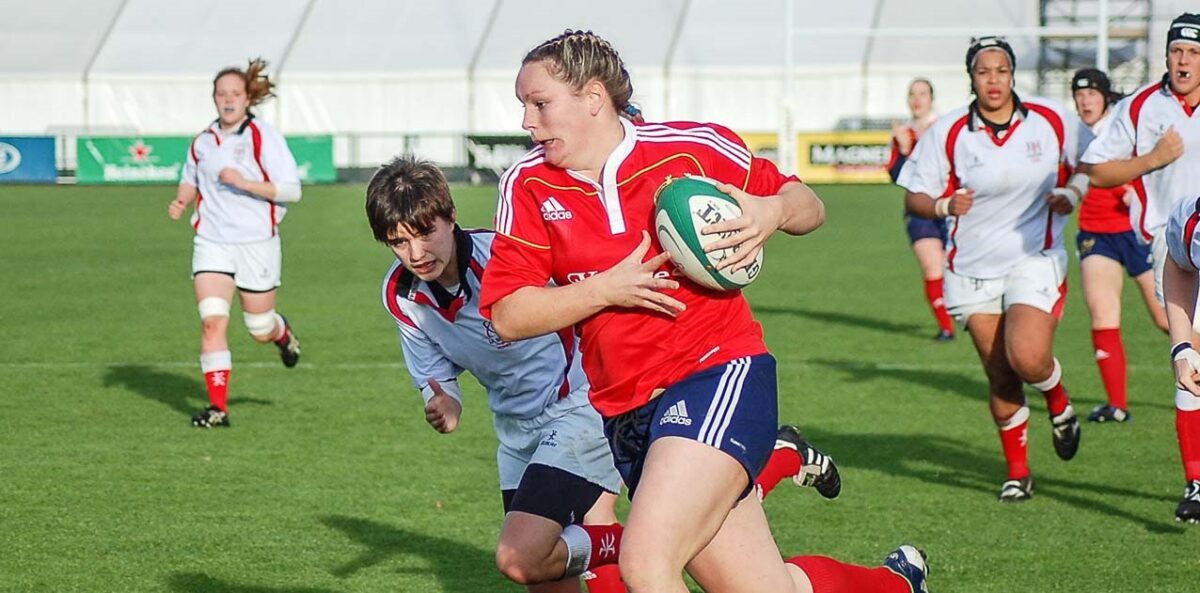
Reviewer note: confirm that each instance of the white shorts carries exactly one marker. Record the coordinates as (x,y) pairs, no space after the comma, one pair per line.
(255,267)
(1038,281)
(573,442)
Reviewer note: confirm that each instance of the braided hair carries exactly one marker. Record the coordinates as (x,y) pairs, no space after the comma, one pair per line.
(577,57)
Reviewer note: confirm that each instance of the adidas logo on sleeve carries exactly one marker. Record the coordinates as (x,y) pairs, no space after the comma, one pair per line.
(553,210)
(676,414)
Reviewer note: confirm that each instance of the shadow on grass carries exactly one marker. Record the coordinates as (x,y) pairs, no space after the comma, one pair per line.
(944,461)
(184,394)
(968,384)
(848,319)
(194,582)
(458,567)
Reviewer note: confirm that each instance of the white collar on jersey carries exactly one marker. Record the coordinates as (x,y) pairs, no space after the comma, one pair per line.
(609,192)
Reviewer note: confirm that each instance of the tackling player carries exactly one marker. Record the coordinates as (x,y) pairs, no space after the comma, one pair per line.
(927,237)
(1154,145)
(680,373)
(555,466)
(994,168)
(1106,244)
(241,175)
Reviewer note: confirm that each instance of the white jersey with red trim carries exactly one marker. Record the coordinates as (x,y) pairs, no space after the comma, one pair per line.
(1010,218)
(1183,242)
(1140,121)
(227,215)
(443,334)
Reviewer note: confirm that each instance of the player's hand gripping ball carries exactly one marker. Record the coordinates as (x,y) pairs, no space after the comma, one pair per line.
(683,207)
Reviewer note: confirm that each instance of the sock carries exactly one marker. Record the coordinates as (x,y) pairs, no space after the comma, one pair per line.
(283,333)
(831,576)
(1051,387)
(1187,425)
(1110,357)
(933,293)
(1013,437)
(604,579)
(216,367)
(606,544)
(783,463)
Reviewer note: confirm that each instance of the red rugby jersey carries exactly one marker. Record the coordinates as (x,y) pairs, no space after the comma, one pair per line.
(556,225)
(1104,210)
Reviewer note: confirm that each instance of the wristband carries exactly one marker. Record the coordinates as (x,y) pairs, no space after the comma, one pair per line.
(1178,349)
(941,207)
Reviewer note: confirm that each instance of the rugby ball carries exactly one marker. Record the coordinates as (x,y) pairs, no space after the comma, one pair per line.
(684,206)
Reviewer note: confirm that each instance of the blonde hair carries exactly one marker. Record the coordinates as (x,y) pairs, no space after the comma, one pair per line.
(258,85)
(578,57)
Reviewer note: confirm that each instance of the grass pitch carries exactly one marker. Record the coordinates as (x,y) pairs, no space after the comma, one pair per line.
(330,481)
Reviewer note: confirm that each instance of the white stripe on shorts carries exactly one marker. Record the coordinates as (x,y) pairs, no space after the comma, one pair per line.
(724,402)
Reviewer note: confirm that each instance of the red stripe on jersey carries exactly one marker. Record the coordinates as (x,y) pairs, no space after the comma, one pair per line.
(448,313)
(952,180)
(566,336)
(256,140)
(1056,123)
(1188,109)
(953,250)
(1139,188)
(1189,230)
(199,198)
(476,267)
(951,140)
(389,298)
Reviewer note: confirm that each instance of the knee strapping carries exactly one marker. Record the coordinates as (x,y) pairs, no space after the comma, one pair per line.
(260,324)
(213,307)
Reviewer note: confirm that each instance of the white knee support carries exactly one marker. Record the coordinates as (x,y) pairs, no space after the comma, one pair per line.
(1049,382)
(213,307)
(1185,401)
(260,324)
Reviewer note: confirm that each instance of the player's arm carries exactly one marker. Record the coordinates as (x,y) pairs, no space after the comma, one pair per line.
(435,375)
(532,311)
(1119,172)
(795,209)
(1179,291)
(185,194)
(926,206)
(279,164)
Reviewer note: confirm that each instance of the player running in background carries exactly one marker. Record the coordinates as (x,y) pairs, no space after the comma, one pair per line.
(1180,289)
(926,236)
(241,176)
(1106,244)
(1154,145)
(555,466)
(994,168)
(680,373)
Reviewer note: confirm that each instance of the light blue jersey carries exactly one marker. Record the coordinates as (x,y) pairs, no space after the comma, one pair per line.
(443,334)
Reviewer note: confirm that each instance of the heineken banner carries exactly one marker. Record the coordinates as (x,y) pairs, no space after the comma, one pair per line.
(159,159)
(314,158)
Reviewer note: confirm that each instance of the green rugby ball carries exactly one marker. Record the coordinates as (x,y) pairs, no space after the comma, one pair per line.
(683,207)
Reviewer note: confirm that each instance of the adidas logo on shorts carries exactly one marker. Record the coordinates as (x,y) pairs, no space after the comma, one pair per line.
(676,414)
(552,210)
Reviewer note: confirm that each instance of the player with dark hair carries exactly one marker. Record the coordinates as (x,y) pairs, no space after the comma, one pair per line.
(241,175)
(995,168)
(556,469)
(680,372)
(926,236)
(1153,144)
(1107,246)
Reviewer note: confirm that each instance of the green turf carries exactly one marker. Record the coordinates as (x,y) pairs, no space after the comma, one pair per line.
(330,481)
